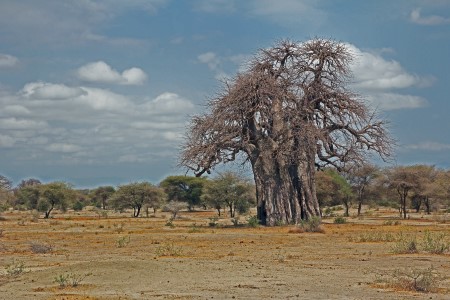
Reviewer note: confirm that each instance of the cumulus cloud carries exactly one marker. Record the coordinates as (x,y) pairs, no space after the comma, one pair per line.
(393,101)
(417,18)
(372,71)
(168,103)
(81,124)
(214,63)
(43,90)
(101,72)
(8,60)
(380,79)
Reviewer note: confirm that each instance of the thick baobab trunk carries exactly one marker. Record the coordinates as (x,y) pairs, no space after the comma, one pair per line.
(307,196)
(286,192)
(277,198)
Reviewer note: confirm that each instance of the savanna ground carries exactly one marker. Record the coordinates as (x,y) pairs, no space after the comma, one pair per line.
(118,257)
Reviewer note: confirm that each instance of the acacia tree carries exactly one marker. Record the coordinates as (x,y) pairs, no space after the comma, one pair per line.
(333,188)
(101,195)
(54,194)
(288,114)
(184,188)
(229,190)
(136,195)
(360,178)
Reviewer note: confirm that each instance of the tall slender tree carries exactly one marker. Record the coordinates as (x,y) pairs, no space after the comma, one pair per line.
(289,113)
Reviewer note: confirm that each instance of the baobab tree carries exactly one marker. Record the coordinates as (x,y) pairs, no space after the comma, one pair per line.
(288,114)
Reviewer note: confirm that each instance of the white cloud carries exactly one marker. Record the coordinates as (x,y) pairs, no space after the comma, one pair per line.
(8,60)
(6,141)
(211,59)
(393,101)
(15,110)
(373,72)
(214,63)
(101,72)
(61,123)
(51,91)
(429,146)
(168,103)
(417,18)
(63,148)
(376,78)
(34,21)
(14,124)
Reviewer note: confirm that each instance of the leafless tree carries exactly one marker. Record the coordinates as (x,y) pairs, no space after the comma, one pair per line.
(287,115)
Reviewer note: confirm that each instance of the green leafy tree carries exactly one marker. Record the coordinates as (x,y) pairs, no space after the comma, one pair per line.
(28,196)
(403,180)
(101,195)
(333,189)
(185,189)
(231,191)
(361,178)
(136,195)
(55,195)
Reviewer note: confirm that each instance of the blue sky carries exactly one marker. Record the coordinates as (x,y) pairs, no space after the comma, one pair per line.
(99,91)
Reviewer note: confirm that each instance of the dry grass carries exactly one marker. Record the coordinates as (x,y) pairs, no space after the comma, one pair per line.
(194,260)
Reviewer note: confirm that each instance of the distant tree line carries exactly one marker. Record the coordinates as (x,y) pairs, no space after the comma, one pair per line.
(406,188)
(226,191)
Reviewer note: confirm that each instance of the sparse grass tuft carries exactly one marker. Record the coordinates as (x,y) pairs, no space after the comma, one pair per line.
(373,237)
(41,248)
(340,220)
(15,269)
(416,280)
(168,250)
(312,225)
(253,221)
(213,222)
(71,279)
(123,241)
(405,244)
(435,243)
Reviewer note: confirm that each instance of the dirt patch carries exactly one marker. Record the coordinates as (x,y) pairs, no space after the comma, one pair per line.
(126,258)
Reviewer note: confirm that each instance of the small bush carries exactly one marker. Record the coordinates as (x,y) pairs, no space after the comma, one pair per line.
(70,279)
(168,250)
(312,225)
(78,206)
(123,241)
(253,221)
(416,280)
(405,244)
(119,228)
(235,221)
(373,237)
(15,269)
(435,243)
(40,248)
(213,221)
(340,220)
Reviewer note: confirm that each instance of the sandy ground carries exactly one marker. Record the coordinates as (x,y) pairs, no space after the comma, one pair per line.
(124,258)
